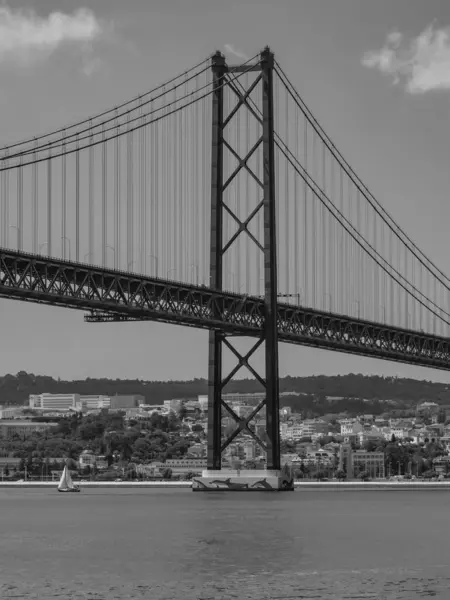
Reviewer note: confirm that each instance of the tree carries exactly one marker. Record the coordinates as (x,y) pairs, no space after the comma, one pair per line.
(143,450)
(167,473)
(341,475)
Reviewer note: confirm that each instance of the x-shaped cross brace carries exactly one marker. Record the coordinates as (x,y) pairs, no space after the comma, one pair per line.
(243,422)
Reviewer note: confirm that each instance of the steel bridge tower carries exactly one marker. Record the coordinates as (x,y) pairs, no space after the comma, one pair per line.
(218,340)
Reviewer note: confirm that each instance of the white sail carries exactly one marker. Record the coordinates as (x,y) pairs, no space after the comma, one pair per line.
(69,481)
(66,483)
(63,482)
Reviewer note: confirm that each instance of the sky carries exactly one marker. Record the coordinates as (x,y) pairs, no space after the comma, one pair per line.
(376,74)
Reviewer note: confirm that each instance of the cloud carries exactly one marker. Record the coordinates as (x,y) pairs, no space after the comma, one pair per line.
(232,50)
(422,63)
(91,65)
(26,37)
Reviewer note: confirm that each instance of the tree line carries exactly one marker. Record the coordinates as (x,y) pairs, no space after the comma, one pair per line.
(15,389)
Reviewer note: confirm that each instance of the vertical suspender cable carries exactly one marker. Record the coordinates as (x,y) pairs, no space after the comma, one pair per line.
(129,198)
(49,203)
(117,197)
(91,223)
(288,200)
(34,204)
(5,189)
(314,227)
(297,261)
(104,199)
(20,205)
(64,238)
(327,296)
(305,215)
(77,200)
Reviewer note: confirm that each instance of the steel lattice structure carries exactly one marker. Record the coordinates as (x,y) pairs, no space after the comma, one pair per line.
(268,246)
(116,296)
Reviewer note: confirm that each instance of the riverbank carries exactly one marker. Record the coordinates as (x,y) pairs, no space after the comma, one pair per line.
(99,484)
(302,486)
(371,486)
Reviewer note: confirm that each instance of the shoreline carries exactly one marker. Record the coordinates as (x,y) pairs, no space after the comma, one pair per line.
(325,486)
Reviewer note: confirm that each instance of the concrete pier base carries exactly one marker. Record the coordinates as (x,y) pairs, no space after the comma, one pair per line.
(243,481)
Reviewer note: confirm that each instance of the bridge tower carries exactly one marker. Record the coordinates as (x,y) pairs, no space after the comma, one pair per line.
(274,479)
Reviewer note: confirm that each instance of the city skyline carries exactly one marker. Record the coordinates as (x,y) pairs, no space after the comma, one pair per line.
(385,131)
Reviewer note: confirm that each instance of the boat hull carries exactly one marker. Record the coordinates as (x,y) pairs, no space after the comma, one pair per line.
(69,491)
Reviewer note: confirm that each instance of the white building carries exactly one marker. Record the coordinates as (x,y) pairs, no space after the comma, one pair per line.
(150,409)
(10,412)
(351,427)
(23,428)
(242,410)
(93,402)
(249,450)
(173,405)
(203,402)
(236,399)
(314,427)
(54,402)
(295,432)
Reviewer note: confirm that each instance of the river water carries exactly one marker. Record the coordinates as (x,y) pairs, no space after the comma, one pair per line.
(174,544)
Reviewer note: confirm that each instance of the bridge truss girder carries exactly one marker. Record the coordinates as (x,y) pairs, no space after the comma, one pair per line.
(115,296)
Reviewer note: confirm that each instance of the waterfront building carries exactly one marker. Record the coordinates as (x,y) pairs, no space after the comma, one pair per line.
(355,462)
(369,462)
(11,462)
(89,459)
(346,460)
(181,463)
(441,464)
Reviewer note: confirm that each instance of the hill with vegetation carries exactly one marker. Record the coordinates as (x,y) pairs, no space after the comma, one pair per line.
(15,389)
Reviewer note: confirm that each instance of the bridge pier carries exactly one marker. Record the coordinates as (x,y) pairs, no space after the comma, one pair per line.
(231,480)
(273,478)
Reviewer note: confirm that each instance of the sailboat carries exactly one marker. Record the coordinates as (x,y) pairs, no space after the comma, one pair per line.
(65,483)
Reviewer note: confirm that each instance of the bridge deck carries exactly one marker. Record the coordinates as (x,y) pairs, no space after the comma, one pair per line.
(44,280)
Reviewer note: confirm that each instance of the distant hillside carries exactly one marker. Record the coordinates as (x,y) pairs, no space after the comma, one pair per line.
(15,389)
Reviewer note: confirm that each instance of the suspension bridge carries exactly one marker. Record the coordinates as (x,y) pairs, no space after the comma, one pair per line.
(217,201)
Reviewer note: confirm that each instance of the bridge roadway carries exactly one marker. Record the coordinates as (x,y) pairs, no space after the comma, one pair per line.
(116,295)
